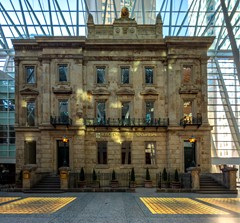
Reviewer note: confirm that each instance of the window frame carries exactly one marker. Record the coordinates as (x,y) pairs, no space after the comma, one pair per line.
(100,121)
(127,151)
(105,74)
(26,68)
(102,154)
(67,75)
(153,75)
(151,118)
(27,113)
(129,75)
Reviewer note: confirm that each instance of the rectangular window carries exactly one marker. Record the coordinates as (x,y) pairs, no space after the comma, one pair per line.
(30,74)
(125,110)
(150,153)
(149,112)
(124,75)
(101,112)
(31,113)
(63,72)
(102,152)
(30,152)
(126,152)
(187,112)
(187,74)
(148,75)
(101,75)
(63,110)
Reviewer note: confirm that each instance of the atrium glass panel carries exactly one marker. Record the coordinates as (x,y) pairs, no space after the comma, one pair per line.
(30,74)
(124,75)
(101,112)
(101,75)
(148,75)
(63,72)
(150,153)
(31,113)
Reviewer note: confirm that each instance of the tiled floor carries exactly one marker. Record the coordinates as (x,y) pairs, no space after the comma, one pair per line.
(143,206)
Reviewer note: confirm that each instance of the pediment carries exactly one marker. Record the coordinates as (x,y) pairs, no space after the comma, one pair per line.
(62,89)
(100,91)
(125,91)
(149,92)
(28,91)
(188,89)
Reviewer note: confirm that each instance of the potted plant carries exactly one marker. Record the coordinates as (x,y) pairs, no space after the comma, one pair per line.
(176,183)
(82,181)
(114,182)
(164,183)
(147,181)
(95,182)
(132,183)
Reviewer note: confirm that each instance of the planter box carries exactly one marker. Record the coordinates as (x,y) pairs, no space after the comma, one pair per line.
(165,185)
(95,184)
(114,183)
(82,184)
(132,184)
(176,185)
(148,183)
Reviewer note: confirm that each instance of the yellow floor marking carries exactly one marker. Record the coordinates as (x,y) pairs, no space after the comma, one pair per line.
(232,204)
(6,199)
(178,206)
(36,205)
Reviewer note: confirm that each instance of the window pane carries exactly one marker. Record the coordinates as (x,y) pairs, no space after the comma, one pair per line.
(150,150)
(126,153)
(187,111)
(148,75)
(30,75)
(187,72)
(125,110)
(63,72)
(101,115)
(125,75)
(100,75)
(149,111)
(102,152)
(63,108)
(31,113)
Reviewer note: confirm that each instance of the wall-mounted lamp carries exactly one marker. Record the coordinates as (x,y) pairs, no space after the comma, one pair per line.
(192,139)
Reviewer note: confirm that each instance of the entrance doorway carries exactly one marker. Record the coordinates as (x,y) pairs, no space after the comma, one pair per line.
(189,154)
(62,153)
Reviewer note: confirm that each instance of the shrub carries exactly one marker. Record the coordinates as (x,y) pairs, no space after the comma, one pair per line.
(164,175)
(132,177)
(148,175)
(82,175)
(113,175)
(94,175)
(176,176)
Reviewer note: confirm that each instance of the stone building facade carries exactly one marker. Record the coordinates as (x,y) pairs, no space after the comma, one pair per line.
(123,97)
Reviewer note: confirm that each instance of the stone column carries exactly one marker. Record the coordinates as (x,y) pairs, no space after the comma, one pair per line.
(64,177)
(229,177)
(195,174)
(29,176)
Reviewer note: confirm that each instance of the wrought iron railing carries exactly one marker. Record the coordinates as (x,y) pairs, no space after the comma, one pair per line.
(189,120)
(60,120)
(131,122)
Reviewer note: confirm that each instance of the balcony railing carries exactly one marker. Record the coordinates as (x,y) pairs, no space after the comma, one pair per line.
(60,120)
(189,120)
(131,122)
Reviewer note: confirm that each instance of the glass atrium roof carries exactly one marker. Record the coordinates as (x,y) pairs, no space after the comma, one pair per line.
(219,18)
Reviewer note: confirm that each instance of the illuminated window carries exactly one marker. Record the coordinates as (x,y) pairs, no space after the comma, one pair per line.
(101,75)
(148,75)
(31,113)
(150,153)
(126,152)
(30,75)
(124,75)
(63,72)
(102,152)
(125,110)
(63,110)
(187,112)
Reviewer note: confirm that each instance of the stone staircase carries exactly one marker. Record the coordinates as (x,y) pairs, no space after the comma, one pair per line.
(49,184)
(209,186)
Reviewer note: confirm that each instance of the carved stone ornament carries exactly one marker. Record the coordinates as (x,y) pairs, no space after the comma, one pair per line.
(62,89)
(99,91)
(28,91)
(188,89)
(125,91)
(149,92)
(125,13)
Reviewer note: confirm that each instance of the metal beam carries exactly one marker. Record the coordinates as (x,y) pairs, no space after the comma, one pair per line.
(143,12)
(70,15)
(63,19)
(105,11)
(115,8)
(44,17)
(231,38)
(133,8)
(170,20)
(50,17)
(199,7)
(10,19)
(77,17)
(24,19)
(29,5)
(177,16)
(5,44)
